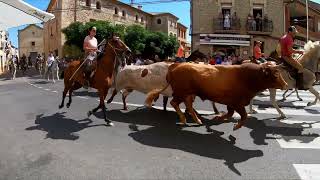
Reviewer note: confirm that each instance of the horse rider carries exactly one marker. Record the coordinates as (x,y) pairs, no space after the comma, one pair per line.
(90,46)
(258,55)
(50,61)
(286,45)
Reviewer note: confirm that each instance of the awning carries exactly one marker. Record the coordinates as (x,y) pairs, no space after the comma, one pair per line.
(225,39)
(15,13)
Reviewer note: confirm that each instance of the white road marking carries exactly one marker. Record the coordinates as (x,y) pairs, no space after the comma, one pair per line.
(308,171)
(55,91)
(47,89)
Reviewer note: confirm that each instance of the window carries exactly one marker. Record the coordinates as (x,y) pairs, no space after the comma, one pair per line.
(116,11)
(88,3)
(98,5)
(33,43)
(124,13)
(158,21)
(137,18)
(33,33)
(142,19)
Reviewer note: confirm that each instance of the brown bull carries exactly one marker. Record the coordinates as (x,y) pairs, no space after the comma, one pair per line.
(233,86)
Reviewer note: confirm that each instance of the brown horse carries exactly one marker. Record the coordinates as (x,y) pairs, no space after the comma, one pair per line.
(107,66)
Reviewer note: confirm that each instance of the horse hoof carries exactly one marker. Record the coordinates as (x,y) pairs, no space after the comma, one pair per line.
(310,104)
(68,105)
(281,117)
(60,106)
(89,113)
(109,101)
(110,124)
(300,99)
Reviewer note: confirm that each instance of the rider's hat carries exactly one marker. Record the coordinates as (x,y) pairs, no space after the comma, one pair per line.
(293,29)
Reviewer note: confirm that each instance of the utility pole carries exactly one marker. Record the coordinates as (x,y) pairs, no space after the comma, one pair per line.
(307,9)
(75,10)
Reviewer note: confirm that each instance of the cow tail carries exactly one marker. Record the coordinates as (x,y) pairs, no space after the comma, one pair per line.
(154,94)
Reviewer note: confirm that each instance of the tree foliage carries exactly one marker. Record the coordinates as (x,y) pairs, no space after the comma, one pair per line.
(141,41)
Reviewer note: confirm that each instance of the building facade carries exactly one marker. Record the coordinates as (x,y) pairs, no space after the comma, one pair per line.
(232,27)
(116,12)
(296,15)
(3,43)
(182,39)
(31,41)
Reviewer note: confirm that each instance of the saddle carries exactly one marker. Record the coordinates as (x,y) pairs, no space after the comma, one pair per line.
(293,72)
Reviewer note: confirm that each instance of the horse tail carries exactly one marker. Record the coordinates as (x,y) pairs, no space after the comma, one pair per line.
(62,75)
(154,94)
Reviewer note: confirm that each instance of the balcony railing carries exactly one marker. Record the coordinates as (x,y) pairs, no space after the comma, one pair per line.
(222,25)
(264,26)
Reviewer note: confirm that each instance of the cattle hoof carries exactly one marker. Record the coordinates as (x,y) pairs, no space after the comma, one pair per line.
(89,113)
(125,109)
(300,99)
(232,139)
(253,112)
(237,126)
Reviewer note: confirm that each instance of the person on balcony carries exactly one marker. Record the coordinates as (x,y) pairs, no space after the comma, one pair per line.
(259,22)
(227,23)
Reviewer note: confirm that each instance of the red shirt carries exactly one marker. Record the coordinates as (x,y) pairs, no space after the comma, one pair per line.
(257,52)
(286,42)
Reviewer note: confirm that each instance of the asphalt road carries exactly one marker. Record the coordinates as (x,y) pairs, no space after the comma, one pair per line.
(39,141)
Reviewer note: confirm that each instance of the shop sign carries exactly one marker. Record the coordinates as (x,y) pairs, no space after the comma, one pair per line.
(225,39)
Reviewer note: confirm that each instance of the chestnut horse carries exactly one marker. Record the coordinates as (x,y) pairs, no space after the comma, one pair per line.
(107,66)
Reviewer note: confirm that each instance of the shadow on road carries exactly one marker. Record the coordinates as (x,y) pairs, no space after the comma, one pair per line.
(164,133)
(58,126)
(262,128)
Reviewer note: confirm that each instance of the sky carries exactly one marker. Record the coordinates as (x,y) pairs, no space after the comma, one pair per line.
(179,9)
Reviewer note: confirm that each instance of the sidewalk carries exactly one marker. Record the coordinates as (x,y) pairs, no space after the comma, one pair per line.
(5,78)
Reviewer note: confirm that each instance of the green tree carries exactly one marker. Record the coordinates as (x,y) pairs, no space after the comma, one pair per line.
(135,38)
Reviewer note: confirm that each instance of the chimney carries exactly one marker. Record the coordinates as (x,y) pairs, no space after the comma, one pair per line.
(140,7)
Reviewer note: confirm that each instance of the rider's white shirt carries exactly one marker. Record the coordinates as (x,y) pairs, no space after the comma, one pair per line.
(92,42)
(50,60)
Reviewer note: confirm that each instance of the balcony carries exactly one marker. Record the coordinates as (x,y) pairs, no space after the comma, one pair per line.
(314,36)
(262,27)
(222,26)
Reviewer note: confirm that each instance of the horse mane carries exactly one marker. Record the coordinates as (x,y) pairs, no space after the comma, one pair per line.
(311,57)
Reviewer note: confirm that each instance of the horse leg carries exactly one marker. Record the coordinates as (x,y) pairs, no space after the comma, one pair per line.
(300,99)
(216,111)
(114,93)
(175,104)
(58,73)
(251,110)
(244,116)
(53,77)
(93,110)
(273,93)
(314,92)
(284,95)
(125,94)
(165,102)
(70,97)
(188,102)
(64,94)
(103,106)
